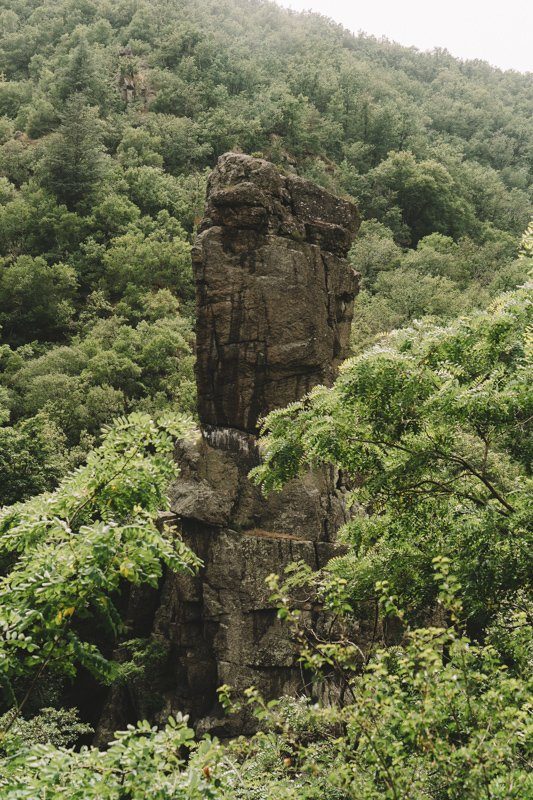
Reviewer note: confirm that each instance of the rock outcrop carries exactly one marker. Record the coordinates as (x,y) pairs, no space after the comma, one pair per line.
(274,307)
(274,292)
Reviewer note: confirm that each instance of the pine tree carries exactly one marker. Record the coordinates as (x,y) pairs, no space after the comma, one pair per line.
(74,161)
(80,73)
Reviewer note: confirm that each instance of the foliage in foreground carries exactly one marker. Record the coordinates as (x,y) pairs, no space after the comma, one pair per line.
(141,762)
(433,426)
(438,718)
(65,555)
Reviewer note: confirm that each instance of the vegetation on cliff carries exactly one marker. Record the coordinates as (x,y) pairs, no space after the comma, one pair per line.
(111,116)
(432,425)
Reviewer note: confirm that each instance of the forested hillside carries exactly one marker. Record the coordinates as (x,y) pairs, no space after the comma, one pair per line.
(112,115)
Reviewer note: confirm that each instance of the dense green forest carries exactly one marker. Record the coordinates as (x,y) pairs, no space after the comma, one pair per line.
(111,116)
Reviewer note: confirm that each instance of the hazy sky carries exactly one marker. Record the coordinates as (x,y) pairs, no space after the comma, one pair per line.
(498,32)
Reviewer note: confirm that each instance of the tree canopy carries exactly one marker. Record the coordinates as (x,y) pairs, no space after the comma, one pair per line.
(111,116)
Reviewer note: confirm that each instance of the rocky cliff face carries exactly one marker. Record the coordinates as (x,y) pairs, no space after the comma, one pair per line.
(274,307)
(274,292)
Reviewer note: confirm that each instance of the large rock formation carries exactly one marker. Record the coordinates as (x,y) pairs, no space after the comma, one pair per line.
(274,308)
(274,292)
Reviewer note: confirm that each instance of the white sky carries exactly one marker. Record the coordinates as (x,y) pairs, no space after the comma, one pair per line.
(498,32)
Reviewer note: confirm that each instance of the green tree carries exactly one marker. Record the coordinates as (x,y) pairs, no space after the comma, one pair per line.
(157,258)
(69,551)
(79,75)
(431,425)
(139,761)
(374,251)
(37,299)
(437,717)
(140,148)
(73,163)
(33,223)
(425,192)
(33,457)
(114,365)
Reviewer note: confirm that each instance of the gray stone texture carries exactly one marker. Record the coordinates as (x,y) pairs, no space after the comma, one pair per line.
(274,308)
(274,291)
